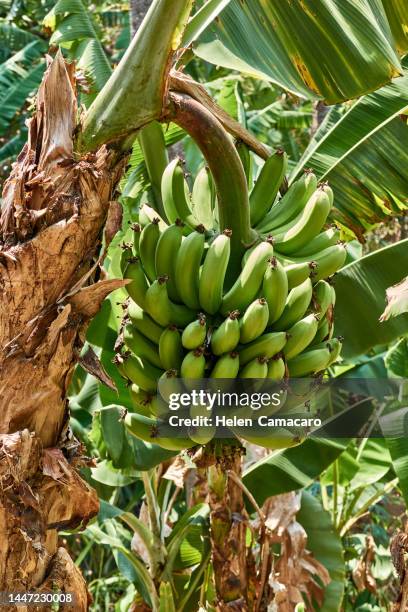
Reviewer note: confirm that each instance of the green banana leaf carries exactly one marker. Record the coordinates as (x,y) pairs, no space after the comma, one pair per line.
(360,291)
(397,15)
(396,359)
(297,467)
(326,546)
(398,448)
(74,29)
(363,154)
(20,75)
(335,50)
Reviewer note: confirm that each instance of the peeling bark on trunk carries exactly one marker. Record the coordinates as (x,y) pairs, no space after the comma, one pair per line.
(54,208)
(229,521)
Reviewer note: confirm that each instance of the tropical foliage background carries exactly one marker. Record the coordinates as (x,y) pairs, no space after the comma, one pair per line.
(294,81)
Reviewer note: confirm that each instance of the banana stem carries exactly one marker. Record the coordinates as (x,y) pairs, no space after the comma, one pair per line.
(134,94)
(226,168)
(228,529)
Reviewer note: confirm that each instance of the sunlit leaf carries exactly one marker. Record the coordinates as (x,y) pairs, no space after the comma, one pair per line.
(335,50)
(363,284)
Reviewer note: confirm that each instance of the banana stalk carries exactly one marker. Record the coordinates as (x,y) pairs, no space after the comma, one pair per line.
(228,529)
(132,98)
(226,168)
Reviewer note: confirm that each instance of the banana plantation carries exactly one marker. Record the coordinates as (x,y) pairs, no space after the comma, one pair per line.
(204,305)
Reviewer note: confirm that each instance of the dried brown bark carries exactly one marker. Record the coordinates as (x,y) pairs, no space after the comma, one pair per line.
(54,208)
(229,521)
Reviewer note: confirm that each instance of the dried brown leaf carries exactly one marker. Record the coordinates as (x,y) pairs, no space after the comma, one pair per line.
(91,364)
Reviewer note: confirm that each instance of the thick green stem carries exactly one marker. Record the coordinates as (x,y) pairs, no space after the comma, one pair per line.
(226,168)
(134,94)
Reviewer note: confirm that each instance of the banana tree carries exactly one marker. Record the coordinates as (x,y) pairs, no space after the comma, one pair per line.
(61,193)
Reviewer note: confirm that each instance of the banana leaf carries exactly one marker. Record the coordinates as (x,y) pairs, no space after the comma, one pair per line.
(332,49)
(74,29)
(326,546)
(397,15)
(360,289)
(363,155)
(297,467)
(19,76)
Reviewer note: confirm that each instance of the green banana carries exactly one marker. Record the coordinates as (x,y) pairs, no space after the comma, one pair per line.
(144,215)
(137,289)
(297,303)
(252,248)
(170,348)
(297,273)
(246,160)
(257,368)
(165,256)
(275,289)
(182,200)
(137,231)
(226,337)
(309,362)
(167,192)
(301,334)
(201,434)
(145,428)
(140,400)
(143,323)
(157,302)
(193,365)
(308,224)
(291,204)
(265,346)
(203,198)
(327,261)
(254,321)
(162,310)
(126,255)
(246,287)
(187,271)
(335,346)
(285,439)
(195,333)
(323,332)
(164,389)
(141,373)
(180,315)
(322,297)
(276,369)
(147,247)
(226,366)
(267,185)
(176,195)
(322,241)
(213,273)
(141,346)
(158,407)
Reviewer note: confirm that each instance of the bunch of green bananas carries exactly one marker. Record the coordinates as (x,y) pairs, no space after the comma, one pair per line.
(187,318)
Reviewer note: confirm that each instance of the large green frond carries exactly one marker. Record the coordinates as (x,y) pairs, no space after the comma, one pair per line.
(333,49)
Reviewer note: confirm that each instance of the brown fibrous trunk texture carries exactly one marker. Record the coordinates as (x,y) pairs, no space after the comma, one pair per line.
(55,205)
(229,521)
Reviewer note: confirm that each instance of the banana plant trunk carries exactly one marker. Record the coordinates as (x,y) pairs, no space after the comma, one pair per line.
(229,521)
(59,196)
(54,208)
